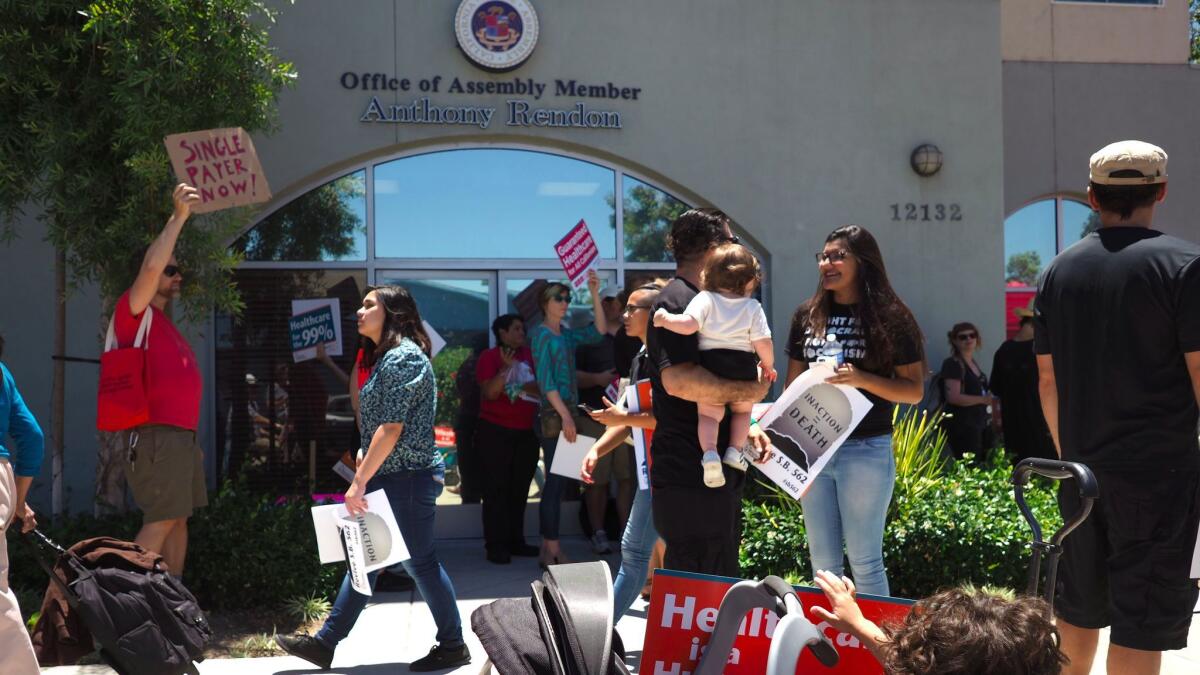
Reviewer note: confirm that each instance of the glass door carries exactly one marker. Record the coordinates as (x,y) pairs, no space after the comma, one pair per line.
(459,306)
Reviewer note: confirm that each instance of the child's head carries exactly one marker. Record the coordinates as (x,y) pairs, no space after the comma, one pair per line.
(975,632)
(731,268)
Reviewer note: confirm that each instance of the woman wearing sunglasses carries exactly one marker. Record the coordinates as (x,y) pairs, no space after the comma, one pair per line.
(967,399)
(847,502)
(554,363)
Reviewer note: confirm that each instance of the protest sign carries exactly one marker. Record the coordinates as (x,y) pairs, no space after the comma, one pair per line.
(578,253)
(356,559)
(221,164)
(683,613)
(315,321)
(568,457)
(637,399)
(808,423)
(436,342)
(376,542)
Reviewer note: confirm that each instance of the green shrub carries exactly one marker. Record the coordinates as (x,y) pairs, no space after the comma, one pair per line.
(244,551)
(962,526)
(445,368)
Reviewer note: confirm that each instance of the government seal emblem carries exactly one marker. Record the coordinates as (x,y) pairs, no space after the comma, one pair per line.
(496,35)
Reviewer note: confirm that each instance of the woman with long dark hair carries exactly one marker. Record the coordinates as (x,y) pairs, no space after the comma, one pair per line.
(885,360)
(396,412)
(967,399)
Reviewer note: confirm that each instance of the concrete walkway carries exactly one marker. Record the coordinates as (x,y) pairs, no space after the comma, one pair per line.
(398,629)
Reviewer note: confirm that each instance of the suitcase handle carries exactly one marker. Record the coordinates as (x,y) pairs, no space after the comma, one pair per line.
(1089,492)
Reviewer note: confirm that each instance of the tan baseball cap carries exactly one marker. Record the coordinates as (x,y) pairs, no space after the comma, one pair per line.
(1148,162)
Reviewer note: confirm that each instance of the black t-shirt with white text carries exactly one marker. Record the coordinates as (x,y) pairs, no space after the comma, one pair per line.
(1117,311)
(802,345)
(676,448)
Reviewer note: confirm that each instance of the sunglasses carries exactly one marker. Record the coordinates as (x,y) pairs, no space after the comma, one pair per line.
(833,256)
(732,239)
(966,336)
(172,271)
(561,297)
(633,308)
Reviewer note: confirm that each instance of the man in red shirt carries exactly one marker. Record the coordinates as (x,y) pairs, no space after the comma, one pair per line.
(163,463)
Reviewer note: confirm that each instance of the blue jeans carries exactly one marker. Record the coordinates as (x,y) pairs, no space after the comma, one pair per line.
(552,493)
(849,499)
(637,545)
(412,495)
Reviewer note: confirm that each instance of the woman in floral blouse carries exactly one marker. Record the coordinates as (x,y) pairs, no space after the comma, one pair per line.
(396,409)
(554,363)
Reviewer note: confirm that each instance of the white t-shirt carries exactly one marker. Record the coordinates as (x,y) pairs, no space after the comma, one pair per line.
(728,323)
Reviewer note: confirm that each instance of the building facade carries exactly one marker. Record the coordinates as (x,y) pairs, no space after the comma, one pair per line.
(406,154)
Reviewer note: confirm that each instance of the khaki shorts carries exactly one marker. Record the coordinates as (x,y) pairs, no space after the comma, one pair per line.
(615,466)
(166,474)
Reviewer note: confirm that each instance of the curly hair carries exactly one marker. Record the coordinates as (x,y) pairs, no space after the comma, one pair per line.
(730,269)
(965,631)
(695,231)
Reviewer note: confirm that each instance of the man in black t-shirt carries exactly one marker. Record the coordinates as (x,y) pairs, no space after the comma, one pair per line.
(700,525)
(1117,336)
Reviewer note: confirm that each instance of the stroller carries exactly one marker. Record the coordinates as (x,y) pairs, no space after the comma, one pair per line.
(566,628)
(142,619)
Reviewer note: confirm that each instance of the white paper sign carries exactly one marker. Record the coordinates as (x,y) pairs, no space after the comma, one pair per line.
(1196,560)
(808,423)
(356,563)
(381,543)
(436,342)
(332,347)
(568,457)
(633,399)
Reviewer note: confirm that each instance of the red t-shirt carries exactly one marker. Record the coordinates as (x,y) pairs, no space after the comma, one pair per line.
(364,373)
(174,384)
(517,414)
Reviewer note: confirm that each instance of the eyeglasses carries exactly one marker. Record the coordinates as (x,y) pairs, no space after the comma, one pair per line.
(172,271)
(966,336)
(834,256)
(732,239)
(630,309)
(561,297)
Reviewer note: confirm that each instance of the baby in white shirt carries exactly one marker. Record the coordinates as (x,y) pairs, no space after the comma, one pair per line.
(734,340)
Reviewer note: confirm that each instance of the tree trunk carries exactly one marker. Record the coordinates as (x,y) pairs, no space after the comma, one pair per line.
(110,449)
(58,393)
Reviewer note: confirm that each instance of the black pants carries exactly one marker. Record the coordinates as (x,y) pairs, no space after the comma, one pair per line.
(469,469)
(701,526)
(508,458)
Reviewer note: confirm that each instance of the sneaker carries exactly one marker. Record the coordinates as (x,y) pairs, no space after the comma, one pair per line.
(308,648)
(714,475)
(733,457)
(441,658)
(600,543)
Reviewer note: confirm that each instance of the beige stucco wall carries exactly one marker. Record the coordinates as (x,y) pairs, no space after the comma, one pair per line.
(1073,32)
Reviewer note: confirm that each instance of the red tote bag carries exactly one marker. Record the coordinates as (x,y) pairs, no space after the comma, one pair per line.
(121,402)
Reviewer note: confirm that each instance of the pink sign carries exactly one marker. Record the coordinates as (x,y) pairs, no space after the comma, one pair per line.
(221,164)
(578,253)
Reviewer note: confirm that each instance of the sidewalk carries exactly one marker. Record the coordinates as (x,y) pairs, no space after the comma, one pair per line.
(398,629)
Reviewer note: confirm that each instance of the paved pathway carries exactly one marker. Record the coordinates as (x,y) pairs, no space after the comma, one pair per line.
(397,629)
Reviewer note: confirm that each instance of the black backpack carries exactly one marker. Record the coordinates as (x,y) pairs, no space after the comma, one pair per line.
(145,622)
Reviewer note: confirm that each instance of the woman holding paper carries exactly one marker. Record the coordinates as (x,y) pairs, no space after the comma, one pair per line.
(554,362)
(884,359)
(640,537)
(396,412)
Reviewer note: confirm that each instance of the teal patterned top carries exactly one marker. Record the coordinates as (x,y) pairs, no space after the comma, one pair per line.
(402,389)
(554,360)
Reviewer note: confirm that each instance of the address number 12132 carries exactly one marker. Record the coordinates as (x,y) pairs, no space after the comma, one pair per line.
(926,212)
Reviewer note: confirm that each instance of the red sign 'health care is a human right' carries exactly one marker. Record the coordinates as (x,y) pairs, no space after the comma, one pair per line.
(578,253)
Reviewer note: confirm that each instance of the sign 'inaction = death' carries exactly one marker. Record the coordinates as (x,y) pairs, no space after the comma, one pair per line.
(808,423)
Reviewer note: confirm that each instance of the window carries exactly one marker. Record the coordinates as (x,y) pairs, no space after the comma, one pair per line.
(489,203)
(325,224)
(1033,235)
(648,213)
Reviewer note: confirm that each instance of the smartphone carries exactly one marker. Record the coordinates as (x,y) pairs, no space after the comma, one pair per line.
(585,408)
